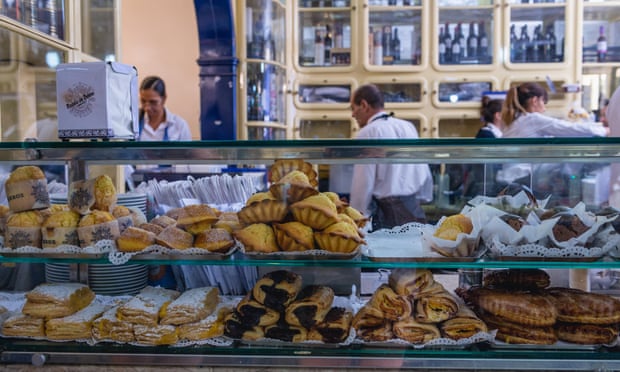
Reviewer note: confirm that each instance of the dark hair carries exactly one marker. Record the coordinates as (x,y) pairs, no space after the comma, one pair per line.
(489,108)
(516,100)
(155,83)
(371,94)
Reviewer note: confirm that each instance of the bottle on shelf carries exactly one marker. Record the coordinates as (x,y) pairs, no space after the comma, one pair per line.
(378,48)
(328,42)
(386,43)
(460,36)
(483,41)
(538,45)
(396,45)
(552,44)
(525,45)
(447,41)
(442,46)
(515,48)
(601,45)
(319,47)
(371,46)
(455,49)
(391,2)
(338,36)
(472,42)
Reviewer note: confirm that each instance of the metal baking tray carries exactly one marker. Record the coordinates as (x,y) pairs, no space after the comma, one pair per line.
(54,255)
(179,255)
(305,255)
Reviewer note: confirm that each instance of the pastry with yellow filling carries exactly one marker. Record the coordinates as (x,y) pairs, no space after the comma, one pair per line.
(57,300)
(21,325)
(156,334)
(144,307)
(77,326)
(193,305)
(206,328)
(109,327)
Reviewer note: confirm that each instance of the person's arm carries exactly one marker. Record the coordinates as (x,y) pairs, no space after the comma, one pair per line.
(550,126)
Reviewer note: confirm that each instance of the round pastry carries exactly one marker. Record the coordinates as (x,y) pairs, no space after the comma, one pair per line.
(316,211)
(60,228)
(135,239)
(175,238)
(23,229)
(453,225)
(105,193)
(567,227)
(294,236)
(258,237)
(215,240)
(514,221)
(97,225)
(26,189)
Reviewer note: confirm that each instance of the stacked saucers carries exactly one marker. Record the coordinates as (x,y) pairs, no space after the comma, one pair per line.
(117,280)
(130,199)
(57,273)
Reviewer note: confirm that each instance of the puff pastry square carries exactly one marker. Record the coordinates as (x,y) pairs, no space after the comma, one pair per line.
(57,300)
(144,307)
(191,306)
(21,325)
(109,327)
(76,326)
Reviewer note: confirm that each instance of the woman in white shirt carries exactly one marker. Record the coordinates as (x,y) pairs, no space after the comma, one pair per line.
(157,123)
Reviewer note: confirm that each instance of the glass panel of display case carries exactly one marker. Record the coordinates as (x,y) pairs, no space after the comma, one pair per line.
(601,30)
(265,30)
(98,29)
(265,87)
(47,16)
(462,91)
(394,38)
(401,92)
(266,133)
(537,33)
(534,1)
(465,35)
(319,93)
(324,37)
(324,128)
(458,127)
(324,3)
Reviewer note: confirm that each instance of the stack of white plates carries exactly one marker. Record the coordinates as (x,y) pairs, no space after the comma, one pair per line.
(117,280)
(130,199)
(57,273)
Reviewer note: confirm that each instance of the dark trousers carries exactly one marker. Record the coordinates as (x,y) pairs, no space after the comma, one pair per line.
(394,211)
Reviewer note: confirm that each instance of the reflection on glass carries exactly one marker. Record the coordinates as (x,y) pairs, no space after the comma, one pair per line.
(324,3)
(401,93)
(47,16)
(465,36)
(600,41)
(537,34)
(458,127)
(394,38)
(265,84)
(462,92)
(98,29)
(325,37)
(316,129)
(265,30)
(309,93)
(266,133)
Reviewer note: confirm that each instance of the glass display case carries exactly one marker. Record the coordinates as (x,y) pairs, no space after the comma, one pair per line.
(46,16)
(447,157)
(99,28)
(324,128)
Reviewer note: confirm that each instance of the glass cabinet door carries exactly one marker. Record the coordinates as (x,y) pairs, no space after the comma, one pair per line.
(265,90)
(265,30)
(601,28)
(464,92)
(536,32)
(99,28)
(454,126)
(326,126)
(465,32)
(47,16)
(327,94)
(324,33)
(395,34)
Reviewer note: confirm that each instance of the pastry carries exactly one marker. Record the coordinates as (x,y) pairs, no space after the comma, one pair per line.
(144,307)
(315,211)
(587,334)
(174,238)
(567,227)
(228,221)
(334,328)
(163,221)
(392,305)
(517,279)
(282,167)
(4,213)
(22,325)
(454,225)
(57,300)
(135,239)
(258,237)
(410,282)
(412,331)
(60,228)
(235,328)
(77,326)
(191,306)
(285,332)
(435,308)
(97,225)
(215,240)
(335,198)
(277,289)
(463,325)
(371,325)
(513,220)
(109,327)
(253,313)
(263,211)
(514,333)
(577,306)
(154,228)
(294,236)
(105,193)
(357,216)
(23,229)
(155,334)
(193,214)
(292,192)
(81,196)
(339,237)
(209,327)
(310,307)
(26,189)
(124,217)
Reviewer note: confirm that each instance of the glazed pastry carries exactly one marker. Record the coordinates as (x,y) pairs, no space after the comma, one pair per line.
(155,334)
(368,317)
(416,333)
(214,240)
(377,333)
(410,282)
(513,333)
(77,326)
(294,236)
(252,313)
(393,305)
(464,325)
(258,237)
(175,238)
(577,306)
(235,328)
(191,306)
(109,327)
(285,332)
(517,279)
(334,328)
(310,307)
(57,300)
(144,307)
(21,325)
(587,334)
(277,289)
(435,308)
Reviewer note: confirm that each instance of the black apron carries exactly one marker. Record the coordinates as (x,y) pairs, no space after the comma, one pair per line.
(394,211)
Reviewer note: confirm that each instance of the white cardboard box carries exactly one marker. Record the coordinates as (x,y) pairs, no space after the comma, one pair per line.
(97,100)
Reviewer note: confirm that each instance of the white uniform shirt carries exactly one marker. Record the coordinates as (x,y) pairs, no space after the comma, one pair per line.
(175,127)
(538,125)
(613,118)
(382,180)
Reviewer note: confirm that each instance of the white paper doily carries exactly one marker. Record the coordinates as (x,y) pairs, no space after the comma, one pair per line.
(497,248)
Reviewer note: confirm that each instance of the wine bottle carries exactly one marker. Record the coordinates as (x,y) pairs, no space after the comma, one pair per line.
(601,45)
(460,36)
(386,43)
(483,41)
(515,48)
(472,42)
(537,45)
(328,43)
(378,49)
(442,47)
(447,41)
(525,44)
(396,45)
(456,49)
(319,48)
(552,42)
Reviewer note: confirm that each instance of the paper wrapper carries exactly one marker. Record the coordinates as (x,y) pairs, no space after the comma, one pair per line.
(81,196)
(52,237)
(89,235)
(465,244)
(27,195)
(22,237)
(519,204)
(124,222)
(593,222)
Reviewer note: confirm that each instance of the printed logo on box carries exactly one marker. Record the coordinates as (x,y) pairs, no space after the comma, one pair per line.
(79,99)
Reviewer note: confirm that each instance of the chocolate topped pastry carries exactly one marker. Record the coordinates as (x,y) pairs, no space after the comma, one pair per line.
(568,226)
(514,221)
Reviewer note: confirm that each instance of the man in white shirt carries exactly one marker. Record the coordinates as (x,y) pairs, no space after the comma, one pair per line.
(390,193)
